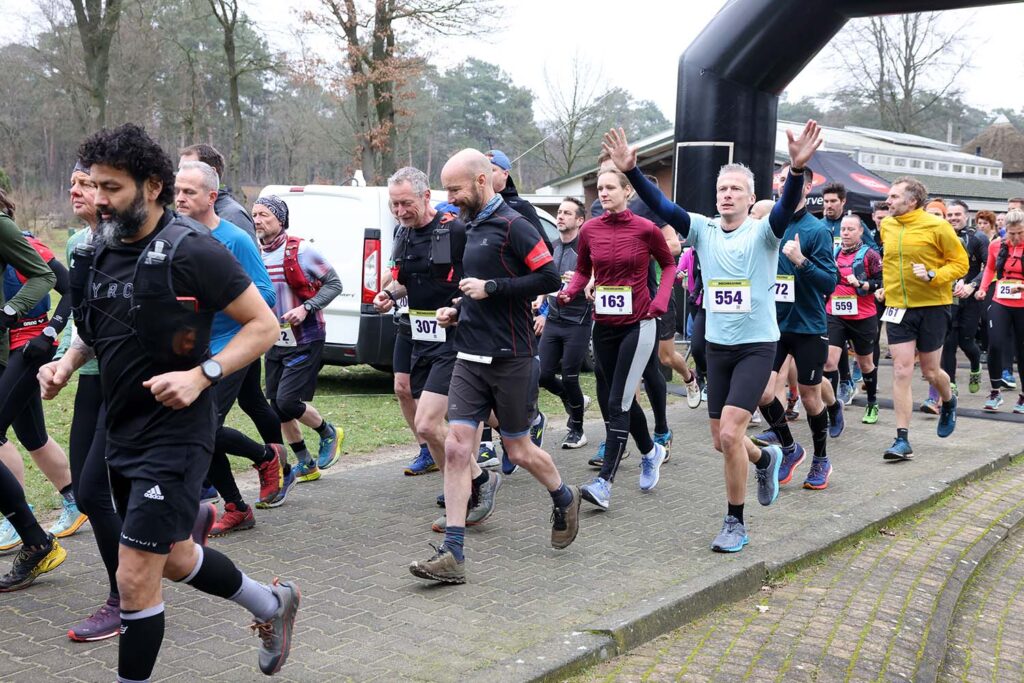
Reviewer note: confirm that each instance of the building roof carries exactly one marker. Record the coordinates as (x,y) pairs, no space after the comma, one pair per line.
(1001,141)
(997,191)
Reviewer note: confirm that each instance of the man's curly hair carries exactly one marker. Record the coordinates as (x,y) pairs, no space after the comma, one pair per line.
(129,148)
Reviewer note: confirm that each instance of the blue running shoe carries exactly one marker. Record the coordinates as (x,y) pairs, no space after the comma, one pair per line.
(790,461)
(666,441)
(71,520)
(838,424)
(817,477)
(1008,381)
(487,458)
(768,477)
(765,439)
(598,492)
(287,482)
(423,464)
(995,399)
(330,447)
(899,450)
(598,460)
(947,419)
(537,430)
(507,466)
(8,536)
(855,374)
(731,538)
(209,495)
(650,467)
(310,472)
(845,394)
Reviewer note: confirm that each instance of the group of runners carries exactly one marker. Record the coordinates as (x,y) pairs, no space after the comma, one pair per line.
(177,291)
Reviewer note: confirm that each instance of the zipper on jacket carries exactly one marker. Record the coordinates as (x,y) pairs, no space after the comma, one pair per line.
(903,284)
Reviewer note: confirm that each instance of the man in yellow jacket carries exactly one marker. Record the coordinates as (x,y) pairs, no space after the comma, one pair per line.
(922,258)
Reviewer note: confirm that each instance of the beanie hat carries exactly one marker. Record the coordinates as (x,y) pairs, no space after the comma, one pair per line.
(277,207)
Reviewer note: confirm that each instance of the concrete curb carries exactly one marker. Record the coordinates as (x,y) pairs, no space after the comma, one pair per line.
(611,635)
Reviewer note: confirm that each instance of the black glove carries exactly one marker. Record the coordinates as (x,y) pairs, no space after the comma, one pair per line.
(8,319)
(41,348)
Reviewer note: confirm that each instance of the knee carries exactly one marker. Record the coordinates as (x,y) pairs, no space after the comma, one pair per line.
(428,428)
(731,438)
(288,409)
(768,395)
(665,354)
(716,441)
(902,372)
(131,584)
(457,451)
(403,390)
(930,373)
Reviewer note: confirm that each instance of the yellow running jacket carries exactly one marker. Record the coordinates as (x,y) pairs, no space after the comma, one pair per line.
(920,237)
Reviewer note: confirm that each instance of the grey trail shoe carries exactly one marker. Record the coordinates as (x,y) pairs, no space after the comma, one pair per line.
(276,633)
(483,508)
(442,567)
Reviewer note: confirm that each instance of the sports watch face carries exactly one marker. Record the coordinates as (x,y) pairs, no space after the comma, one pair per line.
(212,370)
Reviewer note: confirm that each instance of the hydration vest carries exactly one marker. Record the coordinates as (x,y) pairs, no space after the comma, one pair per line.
(441,262)
(13,282)
(858,261)
(302,286)
(170,329)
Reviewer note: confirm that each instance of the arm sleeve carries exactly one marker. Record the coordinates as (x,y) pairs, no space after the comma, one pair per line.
(23,258)
(59,319)
(981,255)
(584,266)
(652,196)
(662,254)
(782,212)
(956,264)
(873,269)
(989,272)
(330,288)
(527,246)
(819,270)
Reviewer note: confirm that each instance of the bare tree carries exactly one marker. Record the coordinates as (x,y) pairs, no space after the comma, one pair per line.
(902,65)
(574,116)
(97,24)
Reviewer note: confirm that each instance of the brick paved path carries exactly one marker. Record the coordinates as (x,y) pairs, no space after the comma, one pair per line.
(348,539)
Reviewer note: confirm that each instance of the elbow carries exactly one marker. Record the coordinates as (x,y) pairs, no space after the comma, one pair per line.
(266,330)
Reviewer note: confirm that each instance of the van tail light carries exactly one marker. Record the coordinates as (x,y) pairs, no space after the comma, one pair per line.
(371,268)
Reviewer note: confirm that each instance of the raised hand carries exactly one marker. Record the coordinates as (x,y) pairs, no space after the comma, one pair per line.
(802,148)
(622,155)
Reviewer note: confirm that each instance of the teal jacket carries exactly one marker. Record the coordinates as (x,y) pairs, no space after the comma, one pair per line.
(814,282)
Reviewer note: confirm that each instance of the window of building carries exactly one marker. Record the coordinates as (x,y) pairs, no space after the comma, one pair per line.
(973,170)
(868,158)
(915,163)
(930,165)
(884,160)
(899,162)
(958,168)
(944,167)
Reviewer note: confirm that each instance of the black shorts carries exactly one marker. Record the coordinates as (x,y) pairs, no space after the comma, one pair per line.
(226,392)
(926,325)
(292,371)
(809,351)
(156,493)
(401,357)
(737,375)
(509,386)
(861,333)
(433,374)
(667,322)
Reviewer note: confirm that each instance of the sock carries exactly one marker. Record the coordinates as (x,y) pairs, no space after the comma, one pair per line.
(481,480)
(142,632)
(819,432)
(833,410)
(299,449)
(775,415)
(257,598)
(214,574)
(736,511)
(948,405)
(833,378)
(424,448)
(561,496)
(903,434)
(871,381)
(454,538)
(68,494)
(487,436)
(325,427)
(764,460)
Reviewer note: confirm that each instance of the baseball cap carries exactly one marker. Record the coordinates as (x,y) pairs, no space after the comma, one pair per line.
(499,159)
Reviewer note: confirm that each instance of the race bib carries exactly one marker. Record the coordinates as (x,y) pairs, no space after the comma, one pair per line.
(729,296)
(425,327)
(893,315)
(844,305)
(837,241)
(1008,289)
(785,288)
(614,300)
(286,336)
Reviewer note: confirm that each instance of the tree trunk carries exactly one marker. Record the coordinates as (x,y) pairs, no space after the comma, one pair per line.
(96,28)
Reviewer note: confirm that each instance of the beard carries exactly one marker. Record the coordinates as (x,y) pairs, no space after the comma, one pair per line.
(471,208)
(122,225)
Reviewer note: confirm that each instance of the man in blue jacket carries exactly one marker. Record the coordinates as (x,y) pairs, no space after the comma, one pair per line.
(807,275)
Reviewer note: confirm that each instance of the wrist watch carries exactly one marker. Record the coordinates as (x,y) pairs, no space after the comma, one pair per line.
(391,295)
(212,370)
(931,275)
(491,287)
(309,307)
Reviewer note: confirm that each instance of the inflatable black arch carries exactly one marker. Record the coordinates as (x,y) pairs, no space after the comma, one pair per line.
(731,76)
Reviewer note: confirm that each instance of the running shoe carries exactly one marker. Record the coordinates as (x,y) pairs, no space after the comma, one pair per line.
(899,450)
(856,376)
(650,467)
(441,567)
(71,520)
(423,464)
(330,447)
(9,538)
(205,519)
(755,420)
(275,633)
(791,459)
(440,501)
(1019,407)
(310,472)
(565,522)
(598,492)
(765,439)
(995,399)
(597,461)
(974,383)
(793,406)
(947,419)
(870,414)
(286,486)
(103,623)
(537,430)
(666,441)
(487,458)
(484,505)
(731,538)
(233,519)
(836,423)
(693,393)
(507,466)
(930,406)
(30,563)
(768,477)
(575,439)
(209,495)
(954,388)
(271,476)
(845,392)
(817,476)
(704,393)
(1008,381)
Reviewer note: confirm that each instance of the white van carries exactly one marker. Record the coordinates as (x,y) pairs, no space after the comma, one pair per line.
(353,228)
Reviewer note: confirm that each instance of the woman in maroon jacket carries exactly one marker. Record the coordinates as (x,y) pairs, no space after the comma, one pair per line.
(616,248)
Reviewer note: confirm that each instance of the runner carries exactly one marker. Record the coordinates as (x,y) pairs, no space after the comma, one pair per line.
(304,283)
(155,372)
(617,248)
(739,259)
(507,266)
(1006,313)
(40,552)
(922,258)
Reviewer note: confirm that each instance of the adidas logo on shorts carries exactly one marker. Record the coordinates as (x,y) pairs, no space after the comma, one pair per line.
(154,493)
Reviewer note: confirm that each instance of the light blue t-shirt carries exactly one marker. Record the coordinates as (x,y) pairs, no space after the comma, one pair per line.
(240,244)
(750,252)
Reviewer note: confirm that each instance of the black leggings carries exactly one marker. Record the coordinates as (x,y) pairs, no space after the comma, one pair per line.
(963,328)
(20,405)
(656,388)
(698,344)
(562,349)
(1005,325)
(15,508)
(87,448)
(622,352)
